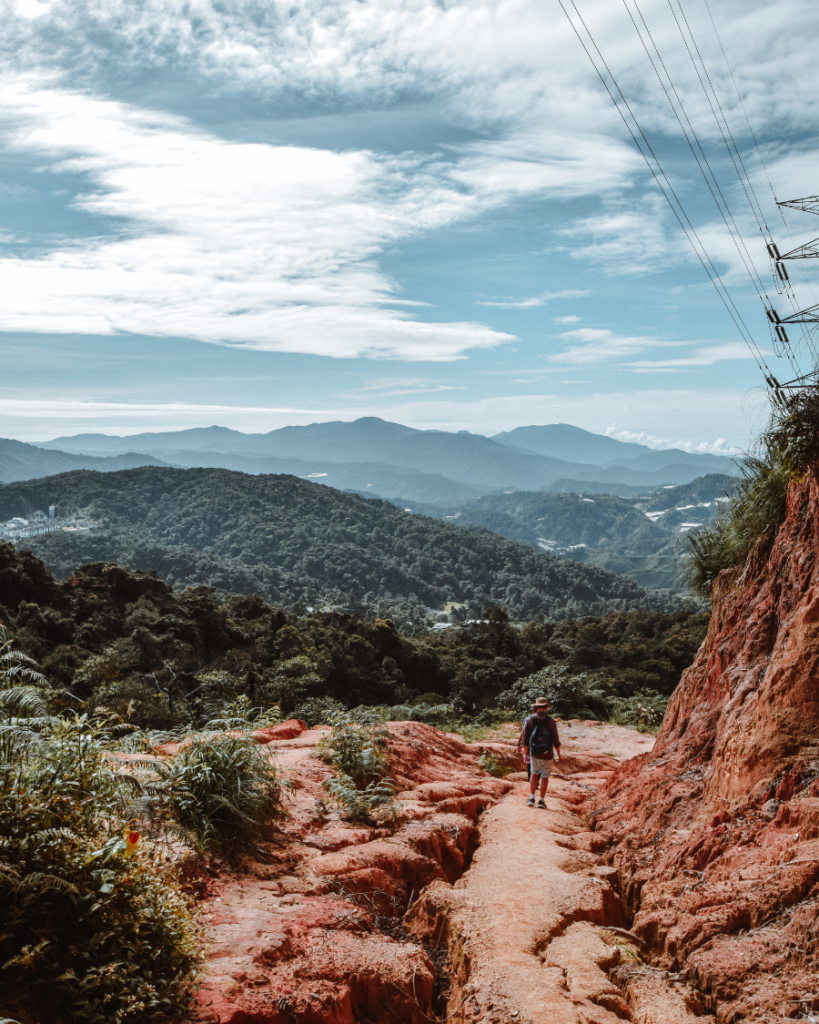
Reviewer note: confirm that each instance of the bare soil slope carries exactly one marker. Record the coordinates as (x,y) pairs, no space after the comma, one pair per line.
(714,836)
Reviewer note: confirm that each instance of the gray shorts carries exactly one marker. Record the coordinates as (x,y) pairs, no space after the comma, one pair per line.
(541,767)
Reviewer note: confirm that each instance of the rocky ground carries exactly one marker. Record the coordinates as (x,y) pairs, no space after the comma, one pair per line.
(668,882)
(511,913)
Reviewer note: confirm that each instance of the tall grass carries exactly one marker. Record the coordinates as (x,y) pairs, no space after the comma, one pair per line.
(225,791)
(789,446)
(755,510)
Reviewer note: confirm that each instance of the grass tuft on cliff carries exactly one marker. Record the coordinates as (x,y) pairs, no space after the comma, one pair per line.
(225,790)
(758,505)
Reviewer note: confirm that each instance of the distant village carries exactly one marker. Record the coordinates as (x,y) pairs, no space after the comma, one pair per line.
(39,523)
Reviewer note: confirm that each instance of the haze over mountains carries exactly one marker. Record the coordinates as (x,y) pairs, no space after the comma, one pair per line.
(20,461)
(395,461)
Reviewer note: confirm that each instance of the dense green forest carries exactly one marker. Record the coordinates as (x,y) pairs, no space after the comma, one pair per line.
(300,544)
(561,520)
(640,536)
(161,658)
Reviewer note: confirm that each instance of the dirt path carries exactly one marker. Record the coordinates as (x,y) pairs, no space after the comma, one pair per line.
(514,919)
(527,928)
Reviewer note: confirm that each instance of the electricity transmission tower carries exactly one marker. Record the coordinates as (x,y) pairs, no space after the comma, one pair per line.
(810,315)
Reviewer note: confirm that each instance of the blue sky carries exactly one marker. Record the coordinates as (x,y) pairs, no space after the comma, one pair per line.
(254,214)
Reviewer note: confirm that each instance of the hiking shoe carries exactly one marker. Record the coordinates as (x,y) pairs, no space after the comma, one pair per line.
(530,802)
(541,805)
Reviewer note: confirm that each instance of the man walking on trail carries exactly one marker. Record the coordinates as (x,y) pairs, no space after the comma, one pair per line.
(541,745)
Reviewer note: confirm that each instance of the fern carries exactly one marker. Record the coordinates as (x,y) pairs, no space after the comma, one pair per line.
(372,805)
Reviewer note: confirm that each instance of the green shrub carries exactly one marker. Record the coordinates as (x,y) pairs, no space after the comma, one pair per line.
(86,932)
(371,805)
(16,668)
(572,695)
(756,509)
(644,710)
(225,791)
(319,710)
(356,749)
(293,681)
(440,715)
(794,427)
(492,766)
(239,714)
(137,700)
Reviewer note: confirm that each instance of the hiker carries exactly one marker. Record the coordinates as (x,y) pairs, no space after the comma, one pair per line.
(541,745)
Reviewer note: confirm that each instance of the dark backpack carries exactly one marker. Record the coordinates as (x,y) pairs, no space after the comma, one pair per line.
(540,742)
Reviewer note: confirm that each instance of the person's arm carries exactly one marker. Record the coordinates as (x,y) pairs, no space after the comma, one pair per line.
(523,740)
(556,741)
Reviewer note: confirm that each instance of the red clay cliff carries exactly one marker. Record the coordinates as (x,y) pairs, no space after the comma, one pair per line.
(715,833)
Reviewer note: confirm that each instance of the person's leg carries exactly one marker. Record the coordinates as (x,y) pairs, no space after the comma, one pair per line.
(544,785)
(533,783)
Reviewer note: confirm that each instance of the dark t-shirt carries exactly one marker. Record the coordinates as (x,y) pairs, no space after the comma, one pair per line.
(529,727)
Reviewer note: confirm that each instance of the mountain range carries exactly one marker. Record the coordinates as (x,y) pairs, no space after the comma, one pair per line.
(293,542)
(21,461)
(396,461)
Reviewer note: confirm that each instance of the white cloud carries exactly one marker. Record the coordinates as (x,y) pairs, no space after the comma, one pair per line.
(271,247)
(705,355)
(537,301)
(718,447)
(277,247)
(591,346)
(489,59)
(596,346)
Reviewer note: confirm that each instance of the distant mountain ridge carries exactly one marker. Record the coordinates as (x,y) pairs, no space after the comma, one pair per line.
(21,461)
(575,444)
(640,537)
(345,454)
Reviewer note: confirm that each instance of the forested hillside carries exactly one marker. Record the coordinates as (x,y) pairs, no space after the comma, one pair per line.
(294,542)
(562,520)
(128,641)
(642,536)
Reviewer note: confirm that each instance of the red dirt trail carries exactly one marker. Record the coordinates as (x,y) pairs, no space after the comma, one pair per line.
(510,908)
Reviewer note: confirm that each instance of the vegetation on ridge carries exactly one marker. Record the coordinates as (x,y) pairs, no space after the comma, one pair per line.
(299,544)
(165,660)
(758,506)
(94,925)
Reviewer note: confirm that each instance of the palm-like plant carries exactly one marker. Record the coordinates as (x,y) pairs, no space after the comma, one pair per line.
(16,668)
(225,790)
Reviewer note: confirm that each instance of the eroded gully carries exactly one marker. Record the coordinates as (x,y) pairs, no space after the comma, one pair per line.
(512,915)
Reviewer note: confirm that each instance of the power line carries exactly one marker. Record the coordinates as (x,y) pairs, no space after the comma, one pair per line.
(756,145)
(667,191)
(781,280)
(735,234)
(757,210)
(724,209)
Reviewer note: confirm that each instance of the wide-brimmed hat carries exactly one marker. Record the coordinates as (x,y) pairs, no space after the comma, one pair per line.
(541,704)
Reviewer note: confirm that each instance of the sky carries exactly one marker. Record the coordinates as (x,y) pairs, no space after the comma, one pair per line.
(255,214)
